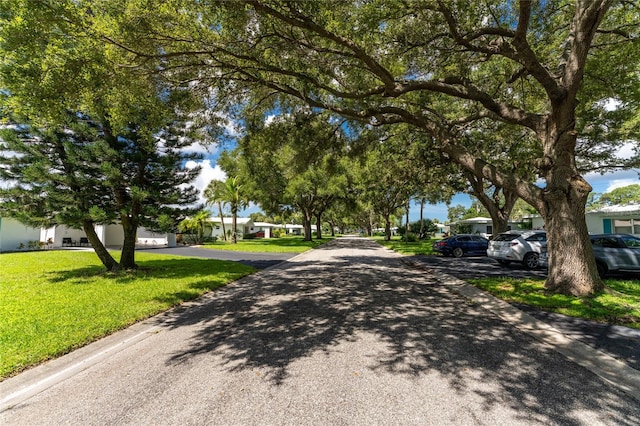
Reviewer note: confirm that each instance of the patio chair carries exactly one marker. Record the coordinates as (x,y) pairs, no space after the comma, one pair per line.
(67,242)
(84,241)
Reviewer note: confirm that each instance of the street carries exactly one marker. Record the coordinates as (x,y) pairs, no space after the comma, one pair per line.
(344,334)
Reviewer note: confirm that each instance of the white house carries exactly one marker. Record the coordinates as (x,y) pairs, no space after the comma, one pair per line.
(619,219)
(243,226)
(110,235)
(292,229)
(14,233)
(263,229)
(442,228)
(483,225)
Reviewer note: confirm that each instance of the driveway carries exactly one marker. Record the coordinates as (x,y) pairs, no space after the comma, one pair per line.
(257,260)
(344,334)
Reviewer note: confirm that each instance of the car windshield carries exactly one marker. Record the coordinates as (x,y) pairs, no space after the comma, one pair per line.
(506,237)
(630,241)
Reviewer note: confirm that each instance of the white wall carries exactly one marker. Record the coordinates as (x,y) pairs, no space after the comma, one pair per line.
(594,224)
(12,233)
(146,237)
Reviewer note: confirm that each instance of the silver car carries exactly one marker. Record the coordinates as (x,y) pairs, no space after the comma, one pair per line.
(519,247)
(616,252)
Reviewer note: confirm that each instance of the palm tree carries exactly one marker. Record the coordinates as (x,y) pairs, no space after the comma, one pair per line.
(232,195)
(228,193)
(213,193)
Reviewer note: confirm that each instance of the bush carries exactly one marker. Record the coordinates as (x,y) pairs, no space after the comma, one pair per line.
(428,229)
(249,236)
(411,237)
(277,233)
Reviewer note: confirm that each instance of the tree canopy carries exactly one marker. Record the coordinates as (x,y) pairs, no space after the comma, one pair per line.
(444,68)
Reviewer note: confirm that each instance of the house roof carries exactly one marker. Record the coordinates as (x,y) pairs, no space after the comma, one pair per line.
(618,209)
(266,225)
(479,220)
(229,220)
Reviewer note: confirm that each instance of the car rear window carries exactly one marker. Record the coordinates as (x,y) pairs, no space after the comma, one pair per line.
(538,237)
(607,242)
(506,237)
(631,241)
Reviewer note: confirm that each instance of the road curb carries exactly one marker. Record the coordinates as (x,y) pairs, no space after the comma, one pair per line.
(615,372)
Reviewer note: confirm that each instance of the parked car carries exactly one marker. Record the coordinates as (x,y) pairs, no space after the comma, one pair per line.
(519,247)
(616,252)
(462,244)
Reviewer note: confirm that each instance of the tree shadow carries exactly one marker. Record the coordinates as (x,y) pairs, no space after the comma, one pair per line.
(280,316)
(149,269)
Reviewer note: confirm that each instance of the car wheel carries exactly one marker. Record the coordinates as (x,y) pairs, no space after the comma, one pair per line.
(530,260)
(602,269)
(457,252)
(503,262)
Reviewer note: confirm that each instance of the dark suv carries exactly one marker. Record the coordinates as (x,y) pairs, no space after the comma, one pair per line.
(462,244)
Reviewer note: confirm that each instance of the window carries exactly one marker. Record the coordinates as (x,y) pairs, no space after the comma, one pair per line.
(622,226)
(607,242)
(631,241)
(538,237)
(506,237)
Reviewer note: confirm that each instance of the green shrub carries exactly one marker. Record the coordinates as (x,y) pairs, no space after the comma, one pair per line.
(411,237)
(249,236)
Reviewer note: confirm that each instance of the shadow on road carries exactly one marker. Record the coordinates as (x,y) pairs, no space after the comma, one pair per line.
(277,317)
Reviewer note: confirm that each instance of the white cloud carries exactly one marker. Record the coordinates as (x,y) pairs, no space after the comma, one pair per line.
(204,149)
(619,183)
(627,150)
(610,181)
(208,173)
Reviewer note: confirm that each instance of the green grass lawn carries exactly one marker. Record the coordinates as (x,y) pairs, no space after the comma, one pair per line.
(419,247)
(52,302)
(620,304)
(269,245)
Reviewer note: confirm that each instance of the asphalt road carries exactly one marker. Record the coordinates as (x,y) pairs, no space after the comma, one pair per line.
(344,334)
(257,260)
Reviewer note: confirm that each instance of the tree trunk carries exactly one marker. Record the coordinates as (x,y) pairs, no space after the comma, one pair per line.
(234,224)
(224,231)
(306,223)
(103,254)
(319,226)
(406,231)
(499,214)
(572,267)
(387,228)
(422,201)
(127,256)
(333,228)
